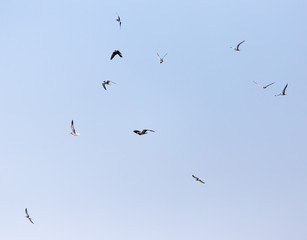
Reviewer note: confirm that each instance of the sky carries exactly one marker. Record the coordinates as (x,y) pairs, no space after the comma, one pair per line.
(209,118)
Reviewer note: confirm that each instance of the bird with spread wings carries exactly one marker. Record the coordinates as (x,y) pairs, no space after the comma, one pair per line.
(283,91)
(73,130)
(28,216)
(106,83)
(143,132)
(116,52)
(264,87)
(237,48)
(198,179)
(161,59)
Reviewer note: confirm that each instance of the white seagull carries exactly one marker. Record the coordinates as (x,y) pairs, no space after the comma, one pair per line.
(73,131)
(283,91)
(262,85)
(198,179)
(28,217)
(161,59)
(106,83)
(237,48)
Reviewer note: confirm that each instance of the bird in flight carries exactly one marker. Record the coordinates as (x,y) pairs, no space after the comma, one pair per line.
(73,131)
(161,59)
(143,132)
(106,83)
(198,179)
(262,85)
(118,20)
(237,48)
(283,91)
(28,217)
(114,54)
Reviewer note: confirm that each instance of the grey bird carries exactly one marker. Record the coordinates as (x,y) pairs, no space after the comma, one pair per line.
(264,87)
(198,179)
(283,91)
(143,132)
(161,59)
(28,217)
(237,48)
(106,83)
(115,53)
(119,21)
(73,130)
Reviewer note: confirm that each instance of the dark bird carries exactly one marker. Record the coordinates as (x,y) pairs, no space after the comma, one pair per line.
(143,132)
(118,20)
(283,91)
(73,131)
(262,85)
(237,48)
(198,179)
(161,59)
(28,217)
(114,54)
(106,83)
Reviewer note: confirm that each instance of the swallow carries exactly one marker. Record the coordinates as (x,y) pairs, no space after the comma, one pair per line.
(106,83)
(143,132)
(161,59)
(73,131)
(119,21)
(283,91)
(237,48)
(114,54)
(264,87)
(28,217)
(198,179)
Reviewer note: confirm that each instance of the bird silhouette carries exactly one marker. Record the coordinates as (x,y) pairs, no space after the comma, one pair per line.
(237,48)
(115,53)
(264,87)
(283,91)
(106,83)
(119,21)
(198,179)
(73,131)
(143,132)
(28,217)
(161,59)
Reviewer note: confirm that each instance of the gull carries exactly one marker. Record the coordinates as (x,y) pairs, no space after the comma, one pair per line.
(161,59)
(143,132)
(106,83)
(28,217)
(283,91)
(73,131)
(118,20)
(262,85)
(237,48)
(114,54)
(198,179)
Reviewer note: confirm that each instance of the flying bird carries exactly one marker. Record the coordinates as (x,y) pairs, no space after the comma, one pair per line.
(28,217)
(283,91)
(264,87)
(73,131)
(198,179)
(106,83)
(237,48)
(114,54)
(143,132)
(161,59)
(118,20)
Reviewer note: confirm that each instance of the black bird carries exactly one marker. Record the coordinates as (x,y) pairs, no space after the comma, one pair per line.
(118,20)
(237,48)
(114,54)
(143,132)
(198,179)
(283,91)
(106,83)
(28,217)
(262,85)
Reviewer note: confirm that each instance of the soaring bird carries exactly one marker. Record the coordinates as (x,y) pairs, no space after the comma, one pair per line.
(28,217)
(118,20)
(198,179)
(143,132)
(106,83)
(237,48)
(114,54)
(262,85)
(161,59)
(283,91)
(73,131)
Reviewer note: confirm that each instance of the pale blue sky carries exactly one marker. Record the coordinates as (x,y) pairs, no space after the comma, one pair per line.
(210,120)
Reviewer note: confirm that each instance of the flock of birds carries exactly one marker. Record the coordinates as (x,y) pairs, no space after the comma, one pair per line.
(145,131)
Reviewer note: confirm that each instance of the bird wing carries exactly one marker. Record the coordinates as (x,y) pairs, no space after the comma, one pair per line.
(104,86)
(194,176)
(26,210)
(269,85)
(119,53)
(240,44)
(258,84)
(113,55)
(72,127)
(284,91)
(158,56)
(113,82)
(164,55)
(31,220)
(201,181)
